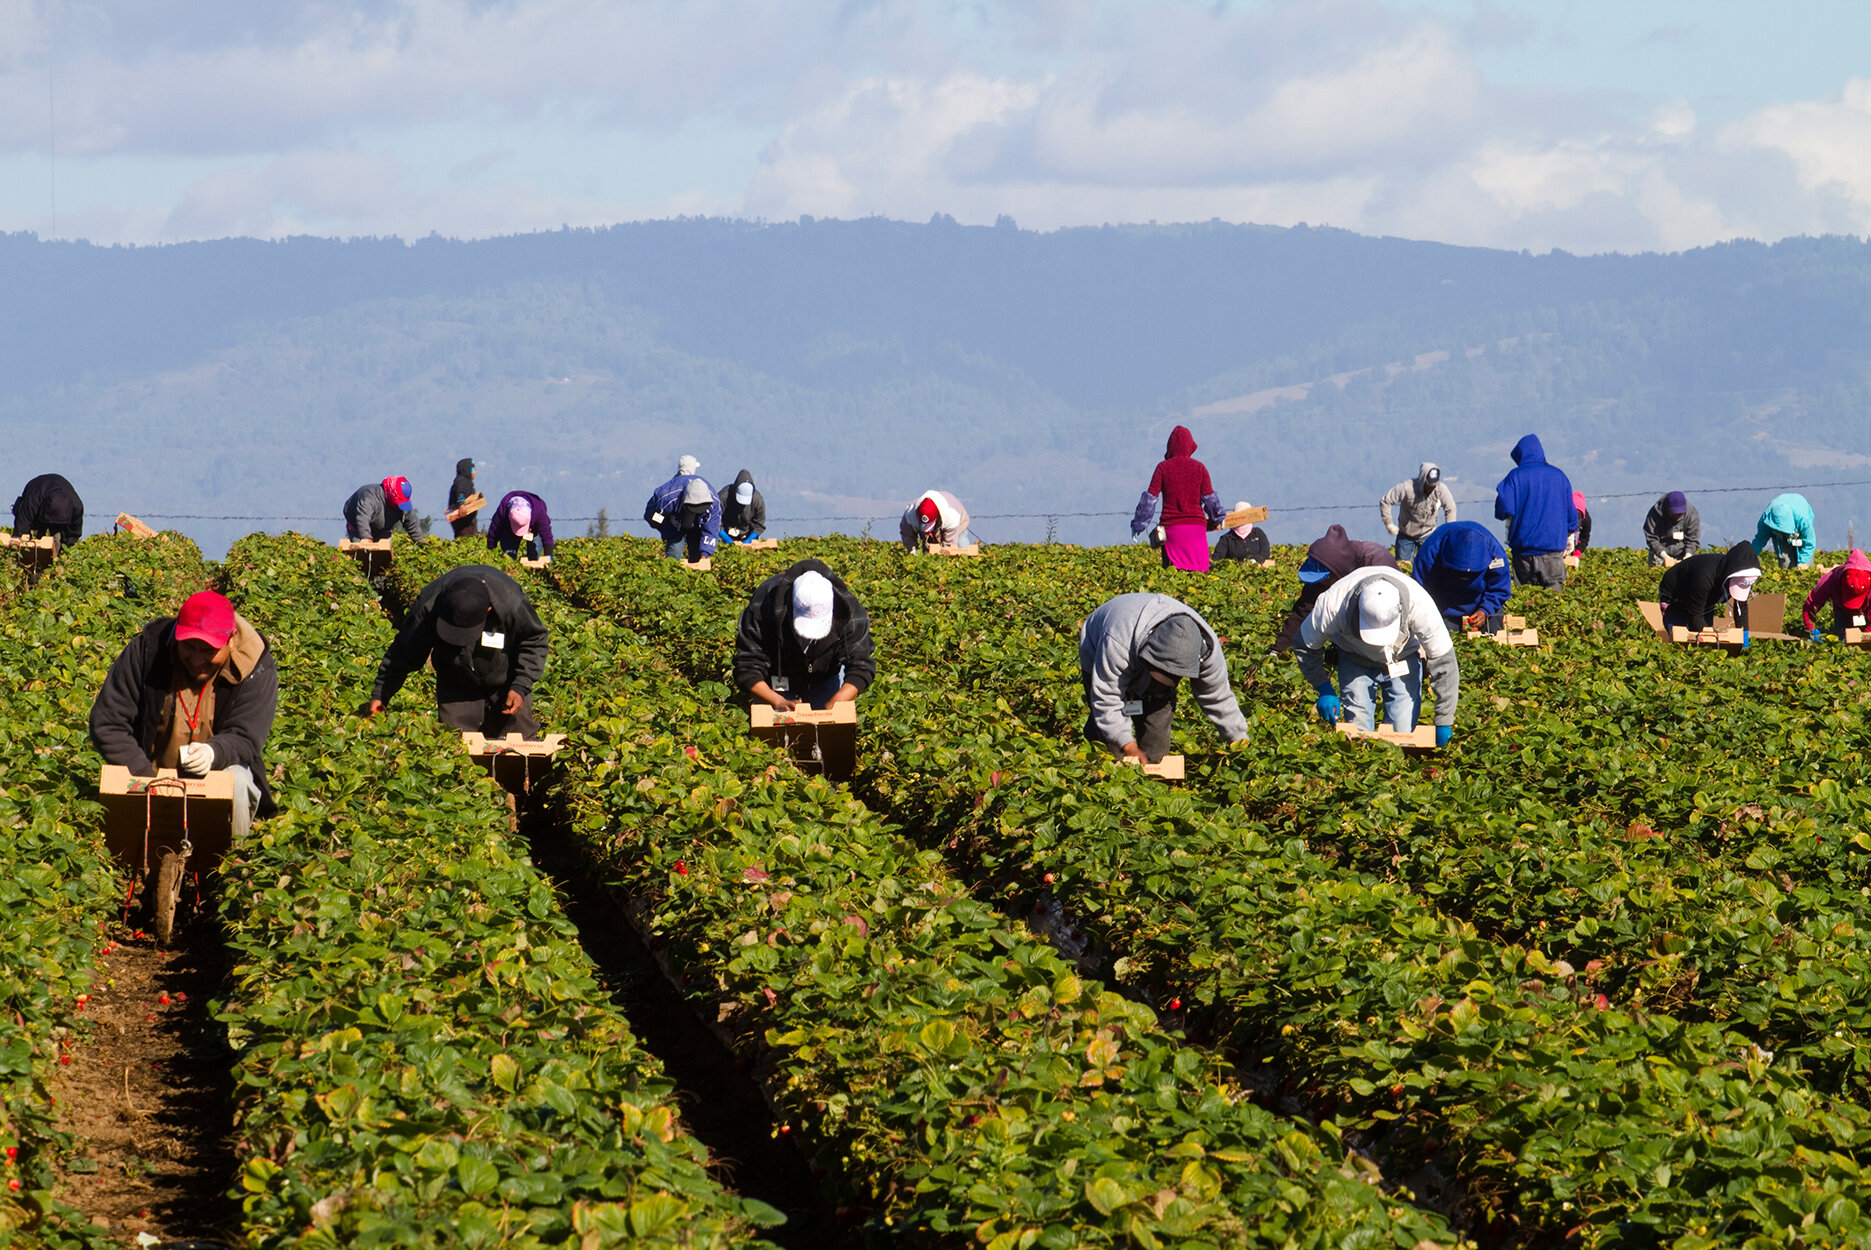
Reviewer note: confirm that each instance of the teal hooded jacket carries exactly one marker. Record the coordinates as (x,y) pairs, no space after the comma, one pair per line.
(1788,522)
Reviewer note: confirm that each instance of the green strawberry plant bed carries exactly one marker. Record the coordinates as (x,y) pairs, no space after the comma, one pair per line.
(954,1075)
(58,887)
(424,1044)
(1065,802)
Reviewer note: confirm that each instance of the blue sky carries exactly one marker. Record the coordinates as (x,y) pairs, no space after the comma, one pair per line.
(1585,125)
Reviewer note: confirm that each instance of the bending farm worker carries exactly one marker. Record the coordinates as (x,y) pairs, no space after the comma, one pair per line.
(1583,538)
(458,491)
(376,510)
(1191,507)
(1417,503)
(686,513)
(521,526)
(1848,589)
(1788,528)
(1133,652)
(49,505)
(744,511)
(1332,557)
(1672,529)
(1464,569)
(195,692)
(1692,591)
(480,631)
(936,519)
(1243,542)
(1535,499)
(804,639)
(1387,630)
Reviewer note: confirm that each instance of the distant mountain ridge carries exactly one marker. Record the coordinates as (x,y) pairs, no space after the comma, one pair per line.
(869,360)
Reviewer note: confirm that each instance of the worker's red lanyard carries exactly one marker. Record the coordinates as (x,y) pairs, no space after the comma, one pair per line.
(194,717)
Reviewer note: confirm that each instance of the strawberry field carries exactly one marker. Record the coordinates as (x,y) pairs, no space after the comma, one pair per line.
(1595,974)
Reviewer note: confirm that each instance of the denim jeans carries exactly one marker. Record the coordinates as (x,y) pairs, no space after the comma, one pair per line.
(1359,684)
(1406,549)
(246,802)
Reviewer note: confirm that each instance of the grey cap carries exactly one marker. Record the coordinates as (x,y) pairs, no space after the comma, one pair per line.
(1177,647)
(696,492)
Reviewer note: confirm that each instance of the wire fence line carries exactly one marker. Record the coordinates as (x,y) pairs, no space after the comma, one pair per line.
(1054,516)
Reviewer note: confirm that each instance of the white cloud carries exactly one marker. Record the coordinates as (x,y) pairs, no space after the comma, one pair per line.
(315,116)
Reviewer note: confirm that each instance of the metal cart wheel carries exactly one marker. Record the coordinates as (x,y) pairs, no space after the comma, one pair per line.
(168,895)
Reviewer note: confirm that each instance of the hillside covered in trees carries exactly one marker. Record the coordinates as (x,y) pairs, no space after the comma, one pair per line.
(853,364)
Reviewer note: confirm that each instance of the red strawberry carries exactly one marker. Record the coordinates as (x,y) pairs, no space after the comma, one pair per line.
(682,868)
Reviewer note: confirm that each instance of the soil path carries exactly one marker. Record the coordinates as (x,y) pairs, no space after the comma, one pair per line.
(148,1095)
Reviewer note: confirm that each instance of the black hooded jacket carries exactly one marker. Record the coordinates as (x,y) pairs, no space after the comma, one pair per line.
(738,519)
(463,485)
(766,645)
(1699,585)
(49,505)
(1342,554)
(464,673)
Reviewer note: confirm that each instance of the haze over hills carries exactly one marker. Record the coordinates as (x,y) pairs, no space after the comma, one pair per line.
(853,364)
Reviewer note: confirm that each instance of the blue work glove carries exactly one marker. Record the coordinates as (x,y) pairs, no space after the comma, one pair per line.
(1744,640)
(1815,635)
(1443,734)
(1330,709)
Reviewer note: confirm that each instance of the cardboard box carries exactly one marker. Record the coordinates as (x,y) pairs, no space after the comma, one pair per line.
(762,544)
(467,507)
(35,554)
(150,815)
(130,525)
(1169,768)
(951,549)
(1243,517)
(515,763)
(1572,562)
(540,563)
(1423,738)
(1513,634)
(818,742)
(1857,637)
(700,566)
(372,554)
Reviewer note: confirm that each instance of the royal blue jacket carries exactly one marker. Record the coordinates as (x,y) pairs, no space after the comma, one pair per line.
(1535,500)
(1464,569)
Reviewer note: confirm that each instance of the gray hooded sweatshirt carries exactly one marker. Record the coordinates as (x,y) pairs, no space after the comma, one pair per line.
(1416,503)
(1109,644)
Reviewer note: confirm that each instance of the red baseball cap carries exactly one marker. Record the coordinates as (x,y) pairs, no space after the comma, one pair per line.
(397,488)
(928,513)
(1857,587)
(207,616)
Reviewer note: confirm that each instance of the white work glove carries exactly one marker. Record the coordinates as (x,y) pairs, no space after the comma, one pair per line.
(197,759)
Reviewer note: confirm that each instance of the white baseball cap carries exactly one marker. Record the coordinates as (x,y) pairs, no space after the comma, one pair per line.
(744,493)
(812,605)
(1380,613)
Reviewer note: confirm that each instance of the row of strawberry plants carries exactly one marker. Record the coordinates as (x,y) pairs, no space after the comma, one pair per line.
(1807,963)
(424,1045)
(952,1073)
(1057,803)
(1706,921)
(57,886)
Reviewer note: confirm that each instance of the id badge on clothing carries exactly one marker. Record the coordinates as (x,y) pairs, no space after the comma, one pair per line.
(1398,668)
(781,685)
(1797,541)
(1133,707)
(1858,621)
(494,642)
(1677,535)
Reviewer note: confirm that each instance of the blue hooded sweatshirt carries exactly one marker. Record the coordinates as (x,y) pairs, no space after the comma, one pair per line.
(1535,500)
(1788,517)
(1464,569)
